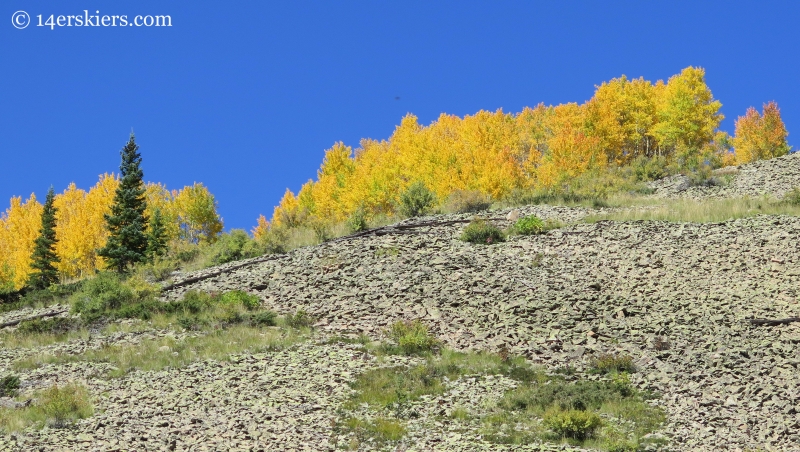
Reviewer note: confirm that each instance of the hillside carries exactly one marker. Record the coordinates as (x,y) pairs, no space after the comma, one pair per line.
(676,297)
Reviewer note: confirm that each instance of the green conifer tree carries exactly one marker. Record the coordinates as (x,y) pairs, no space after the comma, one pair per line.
(127,241)
(44,254)
(156,236)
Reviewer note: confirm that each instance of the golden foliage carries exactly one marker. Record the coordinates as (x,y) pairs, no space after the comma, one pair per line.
(189,213)
(494,153)
(19,227)
(760,136)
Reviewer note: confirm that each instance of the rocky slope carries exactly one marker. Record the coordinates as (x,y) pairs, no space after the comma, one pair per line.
(676,297)
(772,177)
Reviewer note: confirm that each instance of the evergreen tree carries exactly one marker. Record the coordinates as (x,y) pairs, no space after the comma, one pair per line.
(44,255)
(156,236)
(127,242)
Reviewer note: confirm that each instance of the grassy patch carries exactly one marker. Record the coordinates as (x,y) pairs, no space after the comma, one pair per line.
(410,338)
(605,414)
(157,354)
(391,387)
(54,407)
(703,211)
(608,413)
(375,433)
(532,225)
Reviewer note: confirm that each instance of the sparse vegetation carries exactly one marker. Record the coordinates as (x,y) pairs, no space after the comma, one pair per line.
(9,385)
(416,200)
(482,232)
(300,319)
(612,363)
(55,407)
(412,338)
(157,354)
(376,432)
(574,424)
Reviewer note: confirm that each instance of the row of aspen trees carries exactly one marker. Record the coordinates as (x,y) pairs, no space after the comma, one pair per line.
(188,214)
(495,152)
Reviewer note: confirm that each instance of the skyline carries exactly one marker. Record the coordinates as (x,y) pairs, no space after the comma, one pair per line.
(247,100)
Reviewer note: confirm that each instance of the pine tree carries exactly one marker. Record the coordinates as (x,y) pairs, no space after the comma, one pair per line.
(44,255)
(127,241)
(156,236)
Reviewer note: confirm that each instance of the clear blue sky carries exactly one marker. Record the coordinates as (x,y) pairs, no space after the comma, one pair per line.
(246,96)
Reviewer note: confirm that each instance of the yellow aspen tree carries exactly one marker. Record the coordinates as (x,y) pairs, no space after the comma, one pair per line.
(21,223)
(533,137)
(287,212)
(160,198)
(197,214)
(688,115)
(262,227)
(760,136)
(570,151)
(80,226)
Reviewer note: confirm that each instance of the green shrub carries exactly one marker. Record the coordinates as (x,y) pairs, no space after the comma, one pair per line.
(609,363)
(581,395)
(413,338)
(250,302)
(357,221)
(481,232)
(9,386)
(416,200)
(702,177)
(300,319)
(466,201)
(232,246)
(647,169)
(792,197)
(263,318)
(63,405)
(100,295)
(532,225)
(529,225)
(274,241)
(575,424)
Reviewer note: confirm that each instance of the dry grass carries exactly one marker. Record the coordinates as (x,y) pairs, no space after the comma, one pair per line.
(699,211)
(54,407)
(158,354)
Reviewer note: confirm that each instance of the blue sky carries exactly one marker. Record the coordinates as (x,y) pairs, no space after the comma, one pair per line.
(246,96)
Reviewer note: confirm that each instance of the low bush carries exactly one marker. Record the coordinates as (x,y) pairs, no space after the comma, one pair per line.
(611,363)
(64,405)
(416,200)
(250,302)
(792,197)
(482,232)
(263,318)
(102,296)
(357,221)
(299,319)
(413,338)
(528,225)
(55,407)
(9,386)
(466,201)
(575,424)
